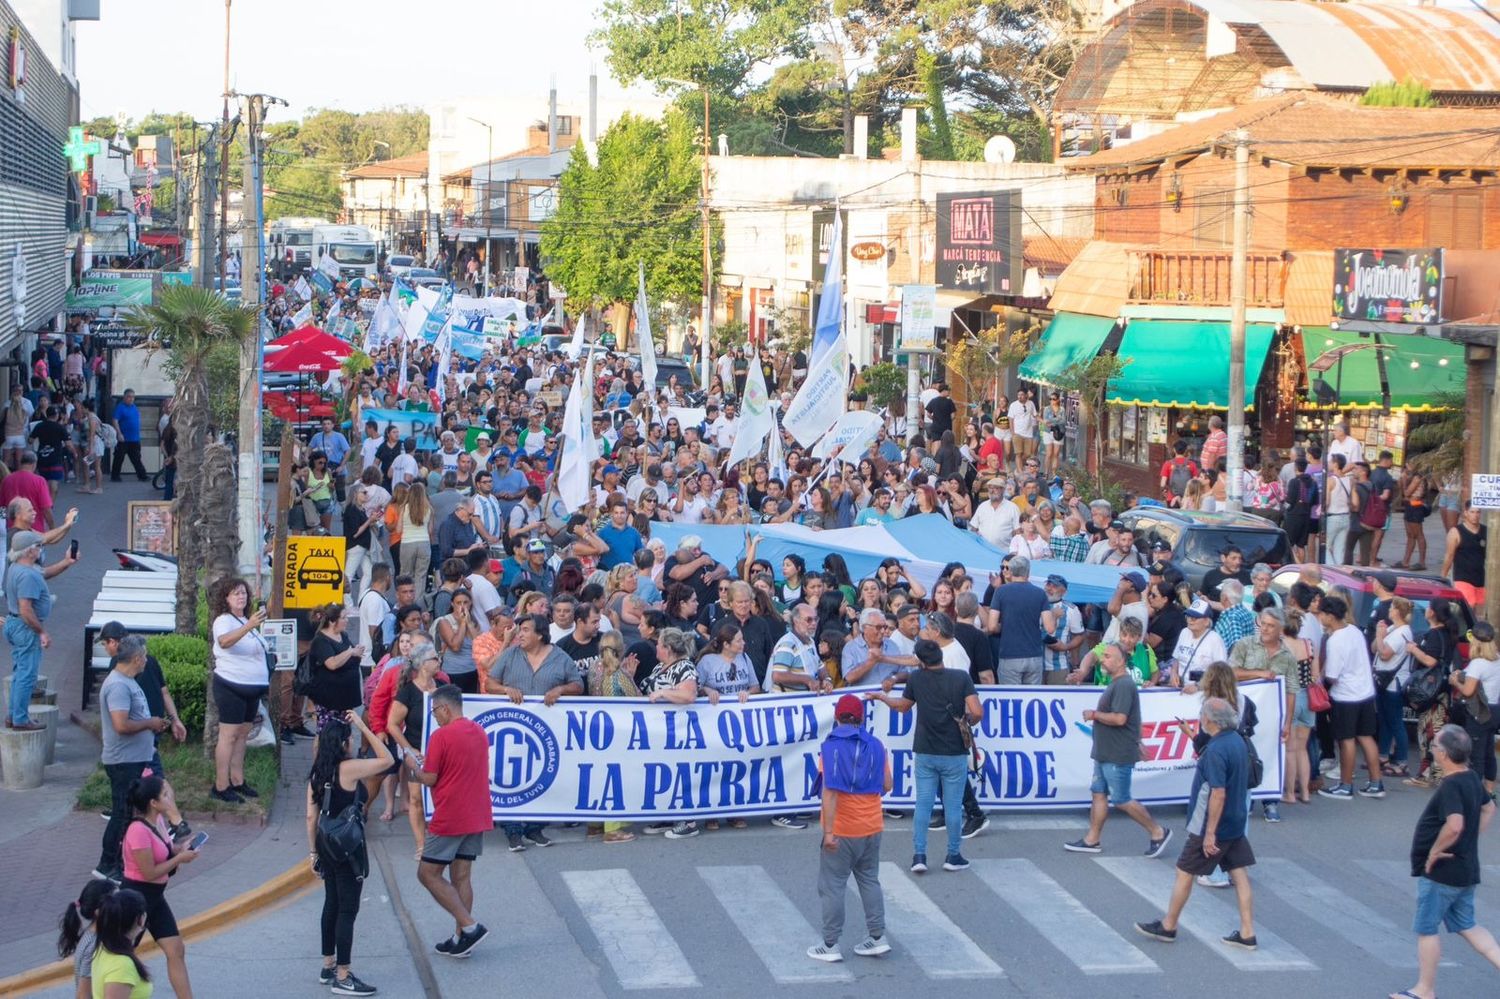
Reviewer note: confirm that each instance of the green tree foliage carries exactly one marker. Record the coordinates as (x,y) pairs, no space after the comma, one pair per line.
(306,161)
(639,204)
(1409,93)
(884,383)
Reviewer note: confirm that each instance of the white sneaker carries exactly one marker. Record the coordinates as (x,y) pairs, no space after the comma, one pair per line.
(1208,881)
(822,952)
(872,947)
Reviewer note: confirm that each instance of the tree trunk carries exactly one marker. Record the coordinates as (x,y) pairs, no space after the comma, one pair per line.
(190,414)
(218,512)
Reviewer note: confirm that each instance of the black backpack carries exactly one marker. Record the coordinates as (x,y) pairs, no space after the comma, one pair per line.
(1256,772)
(1183,472)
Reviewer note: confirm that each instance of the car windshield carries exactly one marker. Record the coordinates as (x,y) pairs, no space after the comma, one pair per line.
(1204,545)
(298,238)
(353,253)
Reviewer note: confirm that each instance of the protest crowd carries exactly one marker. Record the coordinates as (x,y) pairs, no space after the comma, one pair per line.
(525,515)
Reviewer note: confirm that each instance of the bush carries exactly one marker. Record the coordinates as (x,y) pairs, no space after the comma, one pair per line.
(884,383)
(184,663)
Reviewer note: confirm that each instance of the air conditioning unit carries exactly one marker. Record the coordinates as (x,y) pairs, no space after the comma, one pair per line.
(90,211)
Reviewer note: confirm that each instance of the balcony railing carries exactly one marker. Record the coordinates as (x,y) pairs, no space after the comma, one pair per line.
(1199,278)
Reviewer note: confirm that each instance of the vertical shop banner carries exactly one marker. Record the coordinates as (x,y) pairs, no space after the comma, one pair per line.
(314,575)
(591,759)
(918,314)
(979,242)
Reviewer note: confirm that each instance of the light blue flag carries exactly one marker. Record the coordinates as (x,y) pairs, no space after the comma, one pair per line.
(437,316)
(831,305)
(321,282)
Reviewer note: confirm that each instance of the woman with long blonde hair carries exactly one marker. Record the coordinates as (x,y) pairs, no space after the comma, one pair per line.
(416,538)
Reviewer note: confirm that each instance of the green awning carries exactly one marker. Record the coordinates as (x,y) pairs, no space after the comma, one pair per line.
(1439,368)
(1068,339)
(1185,364)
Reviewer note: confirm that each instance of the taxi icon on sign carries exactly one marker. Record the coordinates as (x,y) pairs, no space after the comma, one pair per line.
(320,569)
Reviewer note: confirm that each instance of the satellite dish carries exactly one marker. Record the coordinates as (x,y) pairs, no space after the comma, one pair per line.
(1000,149)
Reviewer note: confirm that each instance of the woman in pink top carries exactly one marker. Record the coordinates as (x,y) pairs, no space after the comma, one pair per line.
(150,859)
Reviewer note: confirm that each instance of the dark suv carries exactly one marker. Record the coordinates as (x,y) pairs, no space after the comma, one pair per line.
(1196,539)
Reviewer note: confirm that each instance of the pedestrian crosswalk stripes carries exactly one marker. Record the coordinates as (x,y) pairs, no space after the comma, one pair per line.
(1063,920)
(637,944)
(1351,919)
(774,926)
(778,923)
(1398,874)
(1208,916)
(934,941)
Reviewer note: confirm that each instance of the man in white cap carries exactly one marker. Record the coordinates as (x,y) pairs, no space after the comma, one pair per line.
(29,602)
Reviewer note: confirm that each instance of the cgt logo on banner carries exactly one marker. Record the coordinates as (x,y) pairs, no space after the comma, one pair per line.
(590,759)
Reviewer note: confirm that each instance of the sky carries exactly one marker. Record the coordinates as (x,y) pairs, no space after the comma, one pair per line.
(355,56)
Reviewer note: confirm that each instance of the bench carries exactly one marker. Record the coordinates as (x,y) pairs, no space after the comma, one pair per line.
(138,619)
(126,579)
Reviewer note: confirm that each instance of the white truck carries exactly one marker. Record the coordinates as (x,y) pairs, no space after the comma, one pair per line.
(289,244)
(354,249)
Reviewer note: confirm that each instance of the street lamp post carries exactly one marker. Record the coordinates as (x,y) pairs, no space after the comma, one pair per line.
(489,206)
(708,257)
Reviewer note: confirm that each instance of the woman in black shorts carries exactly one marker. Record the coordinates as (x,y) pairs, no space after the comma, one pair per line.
(241,678)
(150,859)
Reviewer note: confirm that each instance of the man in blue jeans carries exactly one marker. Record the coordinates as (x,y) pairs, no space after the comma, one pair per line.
(29,602)
(944,698)
(1117,748)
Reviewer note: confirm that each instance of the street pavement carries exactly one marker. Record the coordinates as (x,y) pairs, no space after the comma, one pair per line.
(734,911)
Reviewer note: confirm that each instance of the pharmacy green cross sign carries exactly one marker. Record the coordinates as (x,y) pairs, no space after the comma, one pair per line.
(78,150)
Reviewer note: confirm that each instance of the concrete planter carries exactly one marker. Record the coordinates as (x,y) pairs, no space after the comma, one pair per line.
(23,755)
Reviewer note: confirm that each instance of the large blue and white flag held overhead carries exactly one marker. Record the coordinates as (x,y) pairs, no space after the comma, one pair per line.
(824,396)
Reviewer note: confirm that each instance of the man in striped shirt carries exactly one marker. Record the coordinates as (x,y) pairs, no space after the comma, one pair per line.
(488,518)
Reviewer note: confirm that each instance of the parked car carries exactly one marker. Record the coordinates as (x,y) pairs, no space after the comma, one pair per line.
(1421,588)
(1197,539)
(400,265)
(426,277)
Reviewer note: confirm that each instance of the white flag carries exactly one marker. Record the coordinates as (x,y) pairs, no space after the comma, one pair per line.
(302,316)
(756,420)
(329,266)
(401,379)
(851,436)
(643,334)
(416,318)
(575,346)
(445,358)
(823,397)
(776,456)
(333,314)
(302,288)
(573,463)
(590,442)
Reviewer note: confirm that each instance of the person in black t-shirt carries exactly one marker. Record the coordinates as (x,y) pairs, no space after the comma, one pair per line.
(51,448)
(582,643)
(947,704)
(940,410)
(1445,859)
(1231,566)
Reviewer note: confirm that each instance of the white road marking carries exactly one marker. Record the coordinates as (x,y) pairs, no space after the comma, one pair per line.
(778,932)
(639,947)
(921,929)
(1327,906)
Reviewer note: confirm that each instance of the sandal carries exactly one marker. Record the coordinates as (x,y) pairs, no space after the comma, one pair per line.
(738,824)
(1417,781)
(619,836)
(712,825)
(387,815)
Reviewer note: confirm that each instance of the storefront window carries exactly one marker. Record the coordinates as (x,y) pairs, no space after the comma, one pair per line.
(1127,438)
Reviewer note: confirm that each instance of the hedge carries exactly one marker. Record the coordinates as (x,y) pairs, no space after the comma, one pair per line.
(184,663)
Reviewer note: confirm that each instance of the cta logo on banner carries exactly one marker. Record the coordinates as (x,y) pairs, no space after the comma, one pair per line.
(592,759)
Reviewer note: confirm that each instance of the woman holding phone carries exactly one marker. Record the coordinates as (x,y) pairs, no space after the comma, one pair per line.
(242,676)
(335,782)
(150,859)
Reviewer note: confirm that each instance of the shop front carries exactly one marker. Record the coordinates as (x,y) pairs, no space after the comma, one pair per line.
(1068,340)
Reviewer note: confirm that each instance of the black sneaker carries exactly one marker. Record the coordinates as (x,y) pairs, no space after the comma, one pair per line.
(1155,847)
(303,732)
(327,976)
(228,796)
(445,946)
(286,737)
(974,825)
(657,828)
(517,844)
(1083,846)
(1244,943)
(245,790)
(938,820)
(919,863)
(537,839)
(955,862)
(351,986)
(468,940)
(1156,931)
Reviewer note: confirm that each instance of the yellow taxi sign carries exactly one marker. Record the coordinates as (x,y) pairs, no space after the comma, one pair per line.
(314,575)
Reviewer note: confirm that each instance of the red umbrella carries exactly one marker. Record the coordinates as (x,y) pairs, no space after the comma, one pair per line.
(302,358)
(309,334)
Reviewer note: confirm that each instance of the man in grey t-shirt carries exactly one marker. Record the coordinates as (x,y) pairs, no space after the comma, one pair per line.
(129,733)
(1117,747)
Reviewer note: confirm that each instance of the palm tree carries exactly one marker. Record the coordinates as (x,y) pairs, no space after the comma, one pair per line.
(1436,449)
(191,322)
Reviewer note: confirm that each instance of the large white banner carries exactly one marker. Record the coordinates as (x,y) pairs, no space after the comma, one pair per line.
(590,759)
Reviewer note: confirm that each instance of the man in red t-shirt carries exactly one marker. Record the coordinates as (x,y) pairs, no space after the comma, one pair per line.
(456,767)
(1176,472)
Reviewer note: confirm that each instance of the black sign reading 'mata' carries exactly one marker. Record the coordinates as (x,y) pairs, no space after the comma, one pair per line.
(979,242)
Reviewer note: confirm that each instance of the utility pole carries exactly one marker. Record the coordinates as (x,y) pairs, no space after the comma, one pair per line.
(224,158)
(708,254)
(489,192)
(252,276)
(203,209)
(1238,278)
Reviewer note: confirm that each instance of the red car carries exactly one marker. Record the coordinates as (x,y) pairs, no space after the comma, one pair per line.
(1421,588)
